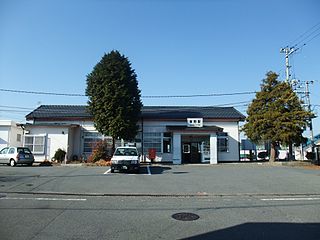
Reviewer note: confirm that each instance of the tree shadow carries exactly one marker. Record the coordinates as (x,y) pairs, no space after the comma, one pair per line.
(261,231)
(158,169)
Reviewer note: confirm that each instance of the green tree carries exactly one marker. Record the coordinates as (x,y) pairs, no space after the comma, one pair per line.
(114,97)
(276,115)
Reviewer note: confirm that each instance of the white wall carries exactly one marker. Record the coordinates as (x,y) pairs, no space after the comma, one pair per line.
(8,134)
(4,136)
(57,137)
(58,140)
(232,129)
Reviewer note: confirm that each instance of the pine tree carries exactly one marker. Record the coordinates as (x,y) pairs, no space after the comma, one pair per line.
(114,97)
(276,115)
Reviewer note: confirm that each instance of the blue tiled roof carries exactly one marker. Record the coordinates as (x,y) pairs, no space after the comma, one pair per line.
(61,112)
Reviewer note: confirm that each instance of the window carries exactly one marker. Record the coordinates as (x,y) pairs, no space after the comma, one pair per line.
(152,140)
(35,143)
(167,142)
(91,138)
(18,137)
(23,150)
(11,151)
(4,151)
(186,148)
(223,142)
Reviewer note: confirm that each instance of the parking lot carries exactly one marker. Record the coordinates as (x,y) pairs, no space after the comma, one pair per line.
(163,179)
(231,201)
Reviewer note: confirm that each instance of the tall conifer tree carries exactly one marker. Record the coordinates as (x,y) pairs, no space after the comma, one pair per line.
(276,115)
(114,97)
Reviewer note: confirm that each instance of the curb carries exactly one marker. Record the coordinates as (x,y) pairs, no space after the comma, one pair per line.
(72,165)
(173,195)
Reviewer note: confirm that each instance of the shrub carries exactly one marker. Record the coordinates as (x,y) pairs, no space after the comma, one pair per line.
(100,151)
(59,155)
(310,155)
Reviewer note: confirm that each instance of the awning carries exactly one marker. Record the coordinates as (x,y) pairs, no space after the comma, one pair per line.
(194,129)
(51,125)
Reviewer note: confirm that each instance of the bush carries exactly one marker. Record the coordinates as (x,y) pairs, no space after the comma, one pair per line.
(59,155)
(100,151)
(310,155)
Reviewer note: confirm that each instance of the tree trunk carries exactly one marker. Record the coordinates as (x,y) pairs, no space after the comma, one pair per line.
(273,152)
(113,145)
(290,157)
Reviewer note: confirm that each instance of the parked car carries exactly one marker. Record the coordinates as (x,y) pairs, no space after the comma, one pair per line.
(125,158)
(16,155)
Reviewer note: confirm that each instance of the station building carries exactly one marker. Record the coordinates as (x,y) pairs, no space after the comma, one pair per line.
(177,134)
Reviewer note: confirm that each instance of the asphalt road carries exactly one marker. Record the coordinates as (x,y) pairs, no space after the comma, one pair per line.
(232,202)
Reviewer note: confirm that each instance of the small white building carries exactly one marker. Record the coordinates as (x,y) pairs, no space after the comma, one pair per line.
(177,134)
(10,134)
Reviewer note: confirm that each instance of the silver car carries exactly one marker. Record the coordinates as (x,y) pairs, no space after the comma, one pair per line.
(16,155)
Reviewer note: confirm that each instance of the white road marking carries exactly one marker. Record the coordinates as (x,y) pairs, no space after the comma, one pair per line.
(108,171)
(149,172)
(291,199)
(45,199)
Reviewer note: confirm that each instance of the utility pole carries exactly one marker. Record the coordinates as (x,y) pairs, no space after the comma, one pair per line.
(288,51)
(307,95)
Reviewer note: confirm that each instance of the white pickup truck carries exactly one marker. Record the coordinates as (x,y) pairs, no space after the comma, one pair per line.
(125,158)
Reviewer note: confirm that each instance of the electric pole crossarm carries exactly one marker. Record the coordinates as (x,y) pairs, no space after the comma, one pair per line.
(288,51)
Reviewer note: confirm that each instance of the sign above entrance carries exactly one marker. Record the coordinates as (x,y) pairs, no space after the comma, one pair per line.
(195,122)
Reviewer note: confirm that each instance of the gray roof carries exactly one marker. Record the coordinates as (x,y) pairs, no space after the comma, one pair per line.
(183,112)
(61,112)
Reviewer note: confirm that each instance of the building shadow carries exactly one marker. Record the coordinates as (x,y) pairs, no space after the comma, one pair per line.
(264,231)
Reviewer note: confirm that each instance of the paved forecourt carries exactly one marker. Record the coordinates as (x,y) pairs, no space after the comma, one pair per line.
(224,179)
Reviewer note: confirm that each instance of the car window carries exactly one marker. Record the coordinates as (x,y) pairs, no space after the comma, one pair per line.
(11,151)
(119,152)
(4,151)
(133,153)
(24,150)
(126,152)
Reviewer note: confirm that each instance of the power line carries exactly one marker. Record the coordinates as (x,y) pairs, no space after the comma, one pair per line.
(14,107)
(302,40)
(147,96)
(200,95)
(43,93)
(244,103)
(24,110)
(311,39)
(15,111)
(302,37)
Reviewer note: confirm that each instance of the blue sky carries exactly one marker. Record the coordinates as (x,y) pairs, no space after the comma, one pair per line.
(176,48)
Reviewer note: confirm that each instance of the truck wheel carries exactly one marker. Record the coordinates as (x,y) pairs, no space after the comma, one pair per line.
(112,170)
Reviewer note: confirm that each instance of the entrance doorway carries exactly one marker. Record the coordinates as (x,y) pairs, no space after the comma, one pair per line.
(191,153)
(193,148)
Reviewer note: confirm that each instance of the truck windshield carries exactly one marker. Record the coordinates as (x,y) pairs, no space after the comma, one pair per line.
(126,152)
